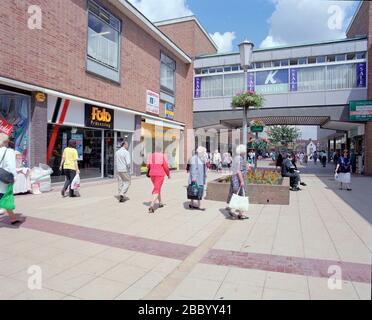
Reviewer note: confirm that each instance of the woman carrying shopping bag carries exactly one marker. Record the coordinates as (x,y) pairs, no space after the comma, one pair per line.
(238,184)
(7,174)
(70,166)
(197,178)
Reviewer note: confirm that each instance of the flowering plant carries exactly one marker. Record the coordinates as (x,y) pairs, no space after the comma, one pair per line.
(257,123)
(247,99)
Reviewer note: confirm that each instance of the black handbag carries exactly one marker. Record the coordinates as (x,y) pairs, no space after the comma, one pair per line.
(195,192)
(5,176)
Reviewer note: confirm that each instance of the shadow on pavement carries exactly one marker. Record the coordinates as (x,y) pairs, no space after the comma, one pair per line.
(5,221)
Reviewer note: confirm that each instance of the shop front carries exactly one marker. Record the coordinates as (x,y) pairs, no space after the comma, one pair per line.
(98,133)
(158,133)
(15,122)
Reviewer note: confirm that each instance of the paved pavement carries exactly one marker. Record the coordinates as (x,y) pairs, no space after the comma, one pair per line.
(94,247)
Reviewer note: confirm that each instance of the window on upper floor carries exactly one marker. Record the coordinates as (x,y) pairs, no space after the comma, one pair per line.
(284,63)
(340,57)
(350,56)
(267,64)
(361,55)
(235,68)
(320,59)
(197,71)
(341,76)
(293,62)
(331,58)
(227,69)
(276,63)
(167,74)
(103,50)
(258,65)
(302,61)
(311,60)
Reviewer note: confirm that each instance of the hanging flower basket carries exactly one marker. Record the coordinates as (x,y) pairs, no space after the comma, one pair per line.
(247,99)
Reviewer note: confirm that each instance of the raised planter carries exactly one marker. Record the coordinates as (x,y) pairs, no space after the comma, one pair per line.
(218,190)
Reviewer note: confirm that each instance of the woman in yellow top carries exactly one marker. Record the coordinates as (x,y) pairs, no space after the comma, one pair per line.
(70,166)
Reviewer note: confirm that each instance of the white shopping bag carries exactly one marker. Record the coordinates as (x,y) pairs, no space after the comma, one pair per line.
(75,184)
(240,203)
(336,176)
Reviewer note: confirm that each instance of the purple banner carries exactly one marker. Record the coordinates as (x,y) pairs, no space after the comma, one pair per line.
(197,87)
(361,75)
(250,82)
(293,80)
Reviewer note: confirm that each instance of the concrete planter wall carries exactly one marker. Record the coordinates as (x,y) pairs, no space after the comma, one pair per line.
(218,190)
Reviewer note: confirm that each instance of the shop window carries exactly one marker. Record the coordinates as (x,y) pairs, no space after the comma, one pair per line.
(167,74)
(103,42)
(14,116)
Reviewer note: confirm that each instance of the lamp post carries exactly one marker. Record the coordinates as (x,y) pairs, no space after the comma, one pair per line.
(245,50)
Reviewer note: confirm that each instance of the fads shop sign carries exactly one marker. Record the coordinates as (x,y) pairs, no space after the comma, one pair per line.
(273,81)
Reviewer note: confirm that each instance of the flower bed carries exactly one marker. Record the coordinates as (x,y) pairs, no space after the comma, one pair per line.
(263,187)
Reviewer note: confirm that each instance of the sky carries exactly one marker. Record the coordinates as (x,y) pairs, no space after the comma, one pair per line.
(267,23)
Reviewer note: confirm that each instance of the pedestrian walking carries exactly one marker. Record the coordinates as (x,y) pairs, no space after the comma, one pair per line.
(198,176)
(238,183)
(336,156)
(217,160)
(70,166)
(157,166)
(7,175)
(323,158)
(315,157)
(343,170)
(123,165)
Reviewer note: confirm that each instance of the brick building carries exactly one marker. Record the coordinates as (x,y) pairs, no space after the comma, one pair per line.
(361,24)
(99,72)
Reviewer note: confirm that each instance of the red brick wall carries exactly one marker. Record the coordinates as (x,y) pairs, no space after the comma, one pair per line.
(189,37)
(55,56)
(362,25)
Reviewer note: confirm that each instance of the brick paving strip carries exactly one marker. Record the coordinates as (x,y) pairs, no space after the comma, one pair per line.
(191,255)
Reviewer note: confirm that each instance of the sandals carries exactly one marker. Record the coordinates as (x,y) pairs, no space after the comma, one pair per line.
(161,205)
(151,210)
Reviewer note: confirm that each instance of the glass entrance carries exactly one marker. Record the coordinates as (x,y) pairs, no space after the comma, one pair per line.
(109,154)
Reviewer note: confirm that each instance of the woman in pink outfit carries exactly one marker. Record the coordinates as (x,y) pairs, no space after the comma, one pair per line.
(158,167)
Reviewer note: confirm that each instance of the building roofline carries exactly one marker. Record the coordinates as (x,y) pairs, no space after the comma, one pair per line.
(186,19)
(286,47)
(354,16)
(144,23)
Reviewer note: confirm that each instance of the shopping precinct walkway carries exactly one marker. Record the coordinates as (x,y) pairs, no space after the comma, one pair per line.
(94,247)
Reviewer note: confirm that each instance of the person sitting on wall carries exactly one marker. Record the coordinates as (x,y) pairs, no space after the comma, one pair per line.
(289,170)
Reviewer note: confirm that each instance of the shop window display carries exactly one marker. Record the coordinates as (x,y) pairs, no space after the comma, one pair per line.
(14,120)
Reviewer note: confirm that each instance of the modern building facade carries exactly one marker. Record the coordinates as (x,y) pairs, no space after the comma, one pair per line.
(306,84)
(96,71)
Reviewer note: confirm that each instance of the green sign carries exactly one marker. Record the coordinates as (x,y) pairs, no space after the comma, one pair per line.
(360,110)
(257,129)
